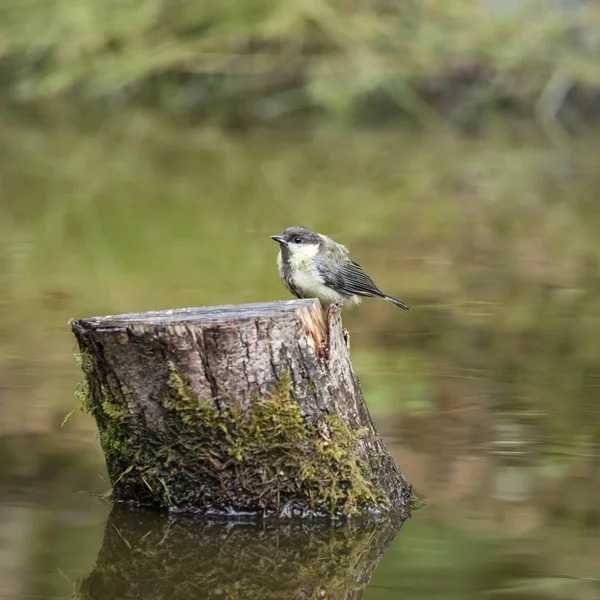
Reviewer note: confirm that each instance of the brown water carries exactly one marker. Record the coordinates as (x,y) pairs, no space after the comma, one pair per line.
(486,392)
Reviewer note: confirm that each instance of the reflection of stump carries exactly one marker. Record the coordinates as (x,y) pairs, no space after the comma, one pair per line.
(235,408)
(149,555)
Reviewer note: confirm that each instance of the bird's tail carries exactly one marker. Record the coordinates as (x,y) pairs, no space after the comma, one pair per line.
(396,302)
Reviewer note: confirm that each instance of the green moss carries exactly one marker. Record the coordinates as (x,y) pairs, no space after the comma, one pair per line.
(114,412)
(82,392)
(85,362)
(417,501)
(222,459)
(109,414)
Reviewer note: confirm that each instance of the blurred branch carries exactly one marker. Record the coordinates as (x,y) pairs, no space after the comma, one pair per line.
(548,105)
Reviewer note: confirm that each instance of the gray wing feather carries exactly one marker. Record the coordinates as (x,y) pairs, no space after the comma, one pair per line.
(350,280)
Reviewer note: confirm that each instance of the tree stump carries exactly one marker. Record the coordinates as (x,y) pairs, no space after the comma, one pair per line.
(235,409)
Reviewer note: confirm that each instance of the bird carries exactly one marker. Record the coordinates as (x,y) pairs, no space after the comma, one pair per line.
(312,265)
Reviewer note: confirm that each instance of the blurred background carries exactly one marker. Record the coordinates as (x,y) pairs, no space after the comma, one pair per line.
(149,148)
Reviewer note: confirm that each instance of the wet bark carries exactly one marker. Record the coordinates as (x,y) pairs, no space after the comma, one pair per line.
(228,356)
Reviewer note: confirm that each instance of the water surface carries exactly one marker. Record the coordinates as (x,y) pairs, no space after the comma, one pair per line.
(486,391)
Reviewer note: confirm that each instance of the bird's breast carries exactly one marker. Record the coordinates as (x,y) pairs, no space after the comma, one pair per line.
(302,278)
(307,279)
(305,276)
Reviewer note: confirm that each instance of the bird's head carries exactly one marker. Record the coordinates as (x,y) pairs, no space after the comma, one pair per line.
(299,242)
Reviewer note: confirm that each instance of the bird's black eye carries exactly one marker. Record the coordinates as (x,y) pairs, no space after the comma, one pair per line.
(297,240)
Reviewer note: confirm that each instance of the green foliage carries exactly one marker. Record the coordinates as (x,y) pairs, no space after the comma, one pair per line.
(355,59)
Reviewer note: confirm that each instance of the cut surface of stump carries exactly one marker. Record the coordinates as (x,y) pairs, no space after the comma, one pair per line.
(235,409)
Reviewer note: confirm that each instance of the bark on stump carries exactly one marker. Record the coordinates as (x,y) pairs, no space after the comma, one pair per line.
(243,408)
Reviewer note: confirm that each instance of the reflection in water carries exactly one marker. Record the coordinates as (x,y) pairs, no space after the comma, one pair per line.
(152,555)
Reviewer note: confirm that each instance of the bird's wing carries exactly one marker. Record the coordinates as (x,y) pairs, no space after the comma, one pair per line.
(350,280)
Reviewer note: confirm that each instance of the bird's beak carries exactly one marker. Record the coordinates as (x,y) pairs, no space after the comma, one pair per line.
(279,238)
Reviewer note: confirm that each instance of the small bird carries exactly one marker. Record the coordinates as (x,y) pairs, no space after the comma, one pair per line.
(312,265)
